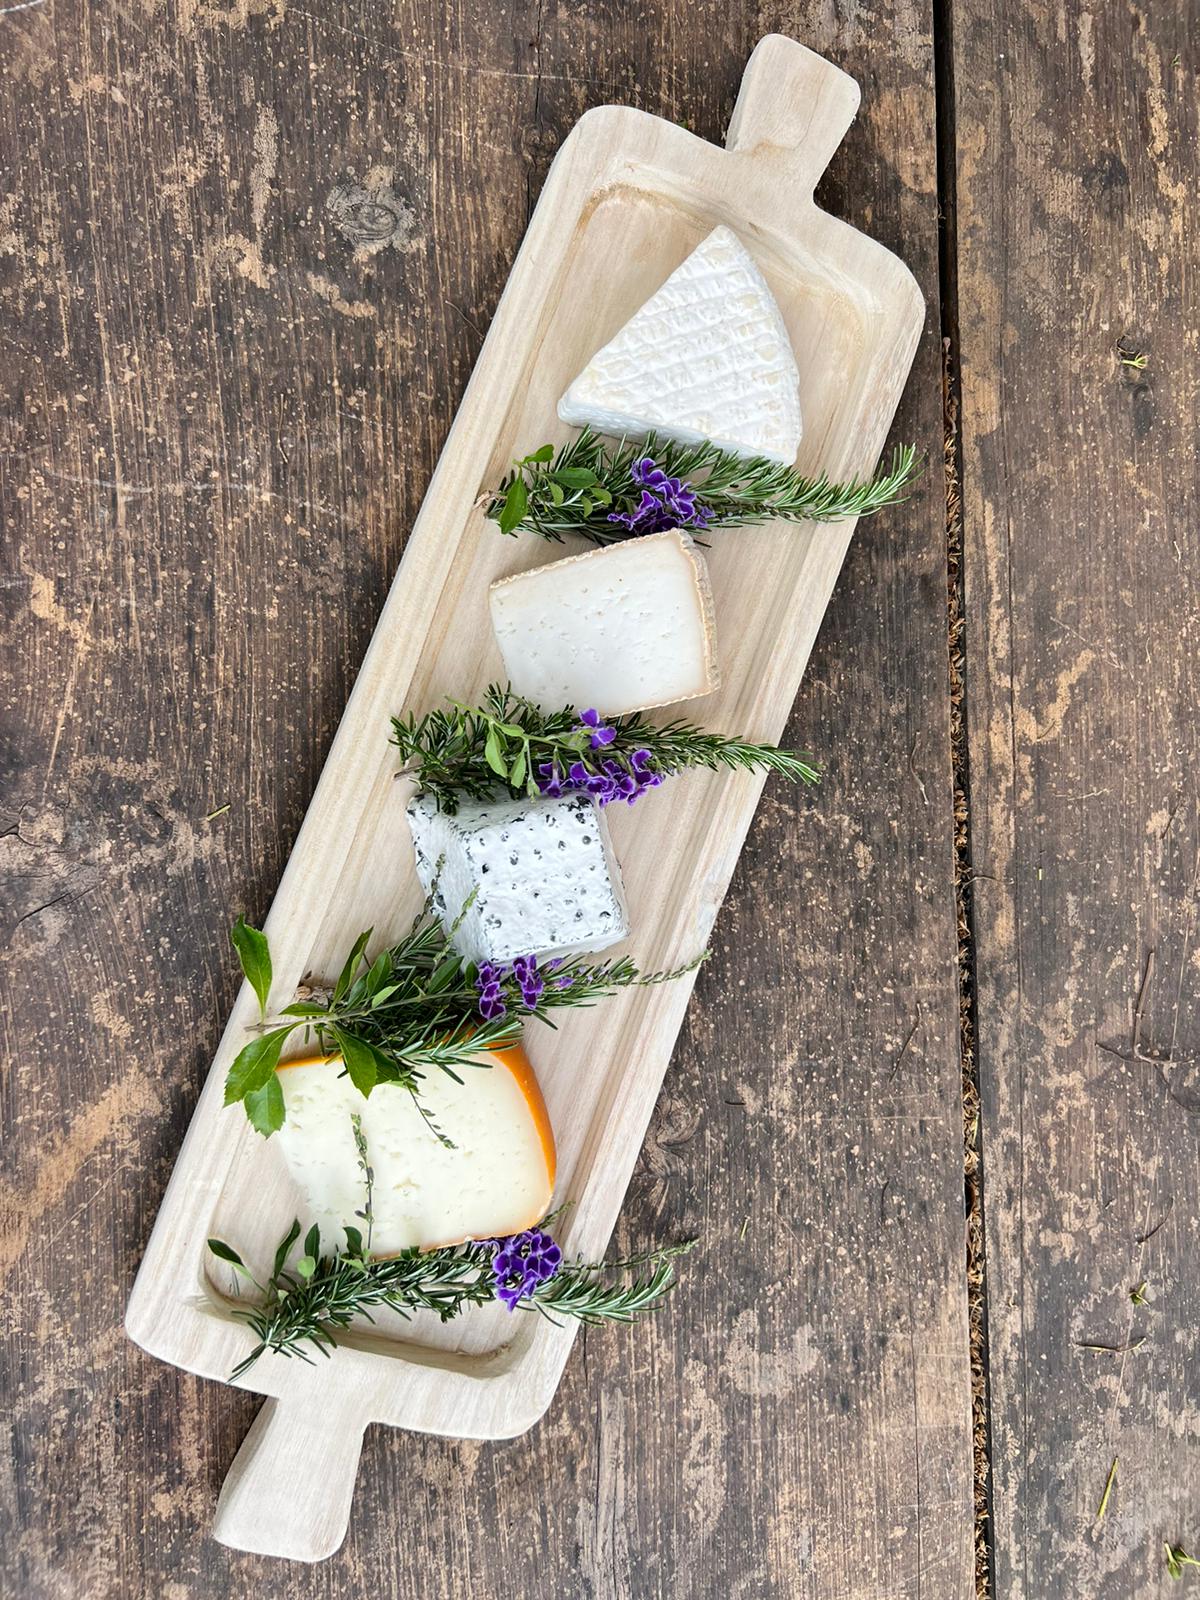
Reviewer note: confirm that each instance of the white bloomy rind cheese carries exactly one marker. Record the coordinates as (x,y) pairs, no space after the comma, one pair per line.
(543,873)
(618,629)
(707,357)
(497,1180)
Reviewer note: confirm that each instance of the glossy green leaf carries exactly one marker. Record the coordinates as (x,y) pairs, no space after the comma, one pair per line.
(346,976)
(362,1066)
(285,1244)
(254,1066)
(516,504)
(493,753)
(265,1107)
(255,956)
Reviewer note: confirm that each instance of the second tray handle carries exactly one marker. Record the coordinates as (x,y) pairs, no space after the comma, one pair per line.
(289,1489)
(793,109)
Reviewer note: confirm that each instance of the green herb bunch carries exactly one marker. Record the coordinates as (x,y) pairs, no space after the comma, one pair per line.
(317,1296)
(596,489)
(412,1010)
(468,751)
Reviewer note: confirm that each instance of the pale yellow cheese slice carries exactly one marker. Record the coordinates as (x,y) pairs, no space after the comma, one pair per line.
(497,1181)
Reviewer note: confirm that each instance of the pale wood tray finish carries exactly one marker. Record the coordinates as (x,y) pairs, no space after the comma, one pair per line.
(627,198)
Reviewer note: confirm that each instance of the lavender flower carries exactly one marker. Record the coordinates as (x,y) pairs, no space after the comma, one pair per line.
(551,780)
(589,721)
(529,980)
(665,502)
(521,1263)
(611,780)
(491,997)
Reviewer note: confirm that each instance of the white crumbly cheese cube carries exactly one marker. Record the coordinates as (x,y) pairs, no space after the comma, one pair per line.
(497,1179)
(543,873)
(707,357)
(618,629)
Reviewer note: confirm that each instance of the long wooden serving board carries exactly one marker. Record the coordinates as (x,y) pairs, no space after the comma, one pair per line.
(628,197)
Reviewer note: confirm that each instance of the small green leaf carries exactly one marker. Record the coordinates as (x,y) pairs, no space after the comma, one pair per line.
(493,753)
(346,977)
(539,457)
(312,1242)
(575,477)
(226,1252)
(303,1008)
(557,493)
(265,1107)
(255,956)
(516,773)
(444,974)
(362,1067)
(585,505)
(254,1066)
(516,504)
(285,1244)
(380,971)
(354,1242)
(383,995)
(305,1267)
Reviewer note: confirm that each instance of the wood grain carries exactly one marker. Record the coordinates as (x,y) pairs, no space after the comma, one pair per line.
(1080,501)
(226,376)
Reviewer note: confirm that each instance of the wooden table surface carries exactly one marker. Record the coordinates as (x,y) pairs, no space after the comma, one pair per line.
(248,253)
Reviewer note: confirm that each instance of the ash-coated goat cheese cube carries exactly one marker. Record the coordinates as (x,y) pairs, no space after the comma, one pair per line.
(542,870)
(619,629)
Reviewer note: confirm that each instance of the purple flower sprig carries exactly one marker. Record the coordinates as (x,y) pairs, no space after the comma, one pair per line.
(605,491)
(664,502)
(310,1301)
(500,983)
(466,752)
(522,1263)
(542,986)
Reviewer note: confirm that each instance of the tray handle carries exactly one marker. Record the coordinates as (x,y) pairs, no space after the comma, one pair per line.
(793,109)
(289,1489)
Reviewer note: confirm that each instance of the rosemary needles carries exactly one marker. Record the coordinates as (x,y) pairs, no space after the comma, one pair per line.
(597,490)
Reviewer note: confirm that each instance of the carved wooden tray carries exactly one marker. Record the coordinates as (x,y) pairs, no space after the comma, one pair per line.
(627,198)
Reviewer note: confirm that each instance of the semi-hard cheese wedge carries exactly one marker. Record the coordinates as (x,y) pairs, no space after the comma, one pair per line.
(537,876)
(707,357)
(619,629)
(496,1181)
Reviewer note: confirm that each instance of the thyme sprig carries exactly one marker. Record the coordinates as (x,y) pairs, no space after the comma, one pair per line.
(507,741)
(304,1305)
(582,486)
(412,1010)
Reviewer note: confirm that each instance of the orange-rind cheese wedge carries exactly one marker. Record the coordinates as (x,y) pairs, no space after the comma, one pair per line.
(497,1180)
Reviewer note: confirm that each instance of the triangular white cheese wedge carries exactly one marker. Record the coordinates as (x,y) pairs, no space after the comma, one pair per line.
(707,357)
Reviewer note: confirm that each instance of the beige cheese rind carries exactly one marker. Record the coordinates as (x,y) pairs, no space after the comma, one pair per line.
(624,628)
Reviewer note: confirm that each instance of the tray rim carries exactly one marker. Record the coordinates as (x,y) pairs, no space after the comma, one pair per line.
(606,146)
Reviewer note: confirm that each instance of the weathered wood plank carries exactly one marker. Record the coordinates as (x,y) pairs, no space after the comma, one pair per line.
(243,272)
(1077,167)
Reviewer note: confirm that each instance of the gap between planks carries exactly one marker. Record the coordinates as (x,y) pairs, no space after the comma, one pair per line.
(975,1264)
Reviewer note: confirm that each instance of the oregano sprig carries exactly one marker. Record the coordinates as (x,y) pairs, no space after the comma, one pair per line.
(597,489)
(416,1008)
(510,743)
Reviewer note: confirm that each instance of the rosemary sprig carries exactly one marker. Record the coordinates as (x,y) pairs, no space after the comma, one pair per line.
(509,742)
(306,1305)
(586,486)
(412,1010)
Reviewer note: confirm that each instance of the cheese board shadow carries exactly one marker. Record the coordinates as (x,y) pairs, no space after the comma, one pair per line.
(628,197)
